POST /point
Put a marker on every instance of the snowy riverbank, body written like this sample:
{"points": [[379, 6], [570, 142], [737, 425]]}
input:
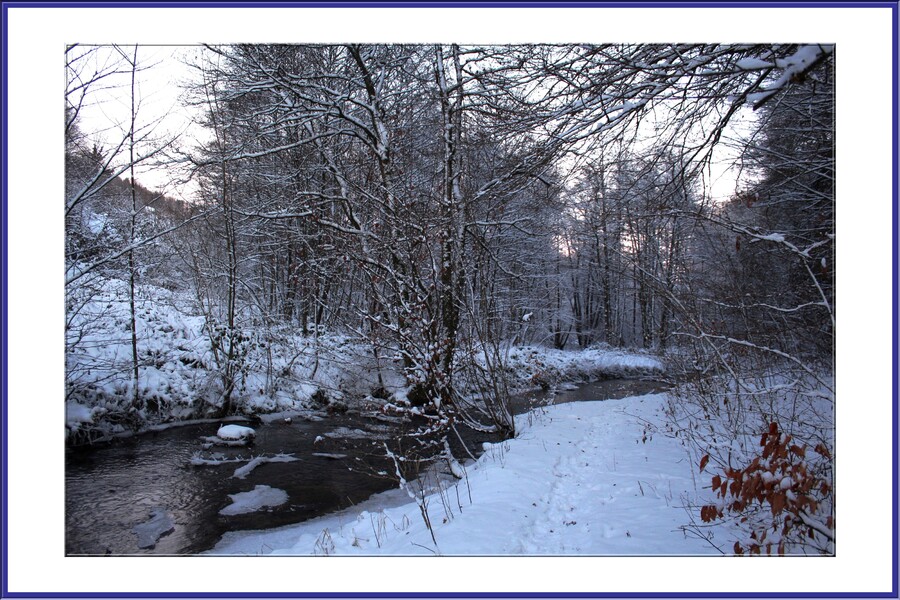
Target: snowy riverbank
{"points": [[283, 370], [586, 478]]}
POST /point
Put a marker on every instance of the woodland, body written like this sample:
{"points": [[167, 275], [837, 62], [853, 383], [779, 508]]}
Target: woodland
{"points": [[395, 223]]}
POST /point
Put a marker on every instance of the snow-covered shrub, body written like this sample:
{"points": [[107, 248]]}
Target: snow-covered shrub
{"points": [[784, 496], [763, 439]]}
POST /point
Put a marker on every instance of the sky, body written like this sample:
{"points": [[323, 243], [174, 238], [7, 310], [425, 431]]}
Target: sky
{"points": [[163, 74]]}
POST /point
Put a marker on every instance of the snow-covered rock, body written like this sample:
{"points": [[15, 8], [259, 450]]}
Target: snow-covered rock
{"points": [[235, 432]]}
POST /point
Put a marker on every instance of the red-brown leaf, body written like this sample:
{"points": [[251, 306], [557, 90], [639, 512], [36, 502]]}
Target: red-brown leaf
{"points": [[823, 451], [777, 502]]}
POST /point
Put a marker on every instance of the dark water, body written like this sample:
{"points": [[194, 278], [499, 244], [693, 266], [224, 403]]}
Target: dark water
{"points": [[111, 489], [607, 389]]}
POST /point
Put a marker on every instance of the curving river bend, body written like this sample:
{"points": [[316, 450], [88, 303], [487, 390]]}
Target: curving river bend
{"points": [[113, 488]]}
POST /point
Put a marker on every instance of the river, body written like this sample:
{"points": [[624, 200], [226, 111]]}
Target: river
{"points": [[113, 488]]}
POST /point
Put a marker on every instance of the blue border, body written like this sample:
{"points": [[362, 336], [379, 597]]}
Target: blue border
{"points": [[4, 316], [455, 4], [467, 595], [894, 593], [895, 198]]}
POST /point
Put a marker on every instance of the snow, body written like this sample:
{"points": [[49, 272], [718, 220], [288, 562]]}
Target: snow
{"points": [[97, 222], [772, 237], [149, 532], [242, 472], [345, 433], [179, 377], [262, 496], [77, 413], [753, 64], [793, 66], [235, 432], [584, 478], [456, 469], [214, 460], [547, 367]]}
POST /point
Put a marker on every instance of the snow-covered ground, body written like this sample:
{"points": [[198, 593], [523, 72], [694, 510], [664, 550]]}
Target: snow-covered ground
{"points": [[547, 367], [585, 478], [179, 380]]}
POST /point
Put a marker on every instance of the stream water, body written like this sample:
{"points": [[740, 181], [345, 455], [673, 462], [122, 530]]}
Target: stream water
{"points": [[111, 489]]}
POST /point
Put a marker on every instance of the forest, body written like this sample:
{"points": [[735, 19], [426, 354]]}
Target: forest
{"points": [[423, 228]]}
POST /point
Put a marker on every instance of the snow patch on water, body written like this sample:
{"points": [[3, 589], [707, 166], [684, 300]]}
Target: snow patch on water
{"points": [[149, 532], [262, 496]]}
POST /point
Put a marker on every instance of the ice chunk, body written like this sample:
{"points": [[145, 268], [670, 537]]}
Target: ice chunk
{"points": [[356, 434], [149, 532], [262, 496], [242, 472]]}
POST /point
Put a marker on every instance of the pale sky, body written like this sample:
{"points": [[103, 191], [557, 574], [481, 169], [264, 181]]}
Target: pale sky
{"points": [[162, 73]]}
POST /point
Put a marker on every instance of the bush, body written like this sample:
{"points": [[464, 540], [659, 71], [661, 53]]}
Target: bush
{"points": [[784, 495]]}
